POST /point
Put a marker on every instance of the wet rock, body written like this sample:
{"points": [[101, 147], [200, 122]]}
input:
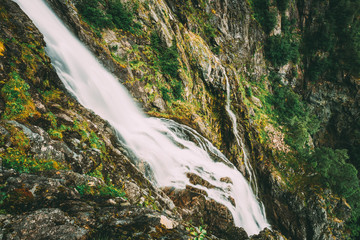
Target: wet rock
{"points": [[267, 234], [196, 180], [193, 206], [226, 180]]}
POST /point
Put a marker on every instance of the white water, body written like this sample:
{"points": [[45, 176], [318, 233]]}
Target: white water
{"points": [[160, 143], [239, 140]]}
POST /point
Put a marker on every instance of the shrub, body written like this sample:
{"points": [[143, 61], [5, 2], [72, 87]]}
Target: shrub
{"points": [[177, 89], [89, 9], [21, 162], [264, 14], [279, 50], [335, 172], [122, 17], [165, 94], [100, 190], [107, 14], [282, 5], [291, 112], [168, 59], [18, 102]]}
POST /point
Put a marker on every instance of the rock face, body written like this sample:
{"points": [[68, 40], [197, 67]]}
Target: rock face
{"points": [[64, 168], [302, 217], [193, 206], [63, 173]]}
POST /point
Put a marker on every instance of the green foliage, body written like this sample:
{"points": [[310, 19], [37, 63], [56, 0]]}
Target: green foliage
{"points": [[18, 102], [55, 131], [100, 190], [122, 17], [95, 142], [248, 92], [177, 89], [332, 45], [92, 13], [291, 112], [335, 172], [341, 177], [199, 233], [282, 5], [22, 162], [264, 14], [149, 202], [168, 56], [108, 14], [3, 195], [165, 94], [169, 64], [280, 50]]}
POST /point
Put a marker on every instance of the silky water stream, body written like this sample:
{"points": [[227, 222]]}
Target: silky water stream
{"points": [[171, 150]]}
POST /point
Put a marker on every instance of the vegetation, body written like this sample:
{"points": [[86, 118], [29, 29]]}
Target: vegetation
{"points": [[18, 103], [333, 45], [108, 14], [168, 61], [265, 14], [291, 112], [329, 168], [335, 172], [284, 47], [100, 190], [2, 48], [282, 5], [199, 233], [22, 162], [193, 14], [107, 189], [17, 157]]}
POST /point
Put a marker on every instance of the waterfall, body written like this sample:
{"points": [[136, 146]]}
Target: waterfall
{"points": [[164, 145], [249, 170]]}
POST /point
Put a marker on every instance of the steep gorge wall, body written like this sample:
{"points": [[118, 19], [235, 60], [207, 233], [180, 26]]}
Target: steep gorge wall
{"points": [[224, 40]]}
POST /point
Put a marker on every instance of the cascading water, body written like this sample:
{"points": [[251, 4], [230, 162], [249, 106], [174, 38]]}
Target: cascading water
{"points": [[239, 140], [163, 144]]}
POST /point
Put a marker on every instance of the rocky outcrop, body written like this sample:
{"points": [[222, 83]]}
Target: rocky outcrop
{"points": [[64, 174], [49, 206], [77, 171], [193, 206]]}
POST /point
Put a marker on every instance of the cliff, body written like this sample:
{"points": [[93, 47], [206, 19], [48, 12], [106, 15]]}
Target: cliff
{"points": [[65, 175]]}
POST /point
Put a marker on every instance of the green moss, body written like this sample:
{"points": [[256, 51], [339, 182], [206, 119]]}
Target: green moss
{"points": [[264, 14], [102, 190], [108, 14], [21, 162], [18, 102]]}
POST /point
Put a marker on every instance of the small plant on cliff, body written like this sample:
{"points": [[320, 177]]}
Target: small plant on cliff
{"points": [[281, 49], [18, 102], [169, 65], [199, 233], [291, 112], [108, 14], [284, 47], [282, 5], [22, 162], [264, 14], [168, 56], [108, 190], [92, 13]]}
